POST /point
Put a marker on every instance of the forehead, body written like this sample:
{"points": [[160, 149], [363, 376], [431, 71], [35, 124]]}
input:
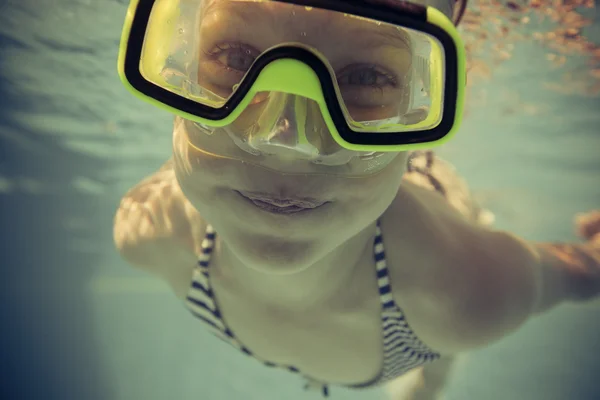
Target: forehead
{"points": [[250, 9], [292, 17], [445, 6]]}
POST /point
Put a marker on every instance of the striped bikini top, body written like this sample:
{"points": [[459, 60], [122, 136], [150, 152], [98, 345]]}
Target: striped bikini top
{"points": [[402, 350]]}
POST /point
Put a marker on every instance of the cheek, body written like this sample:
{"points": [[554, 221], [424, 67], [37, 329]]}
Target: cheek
{"points": [[367, 198], [384, 184], [200, 175], [193, 165]]}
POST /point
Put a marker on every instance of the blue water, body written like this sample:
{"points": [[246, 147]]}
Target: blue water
{"points": [[77, 323]]}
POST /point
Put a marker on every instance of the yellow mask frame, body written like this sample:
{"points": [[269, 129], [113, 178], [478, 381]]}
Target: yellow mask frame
{"points": [[302, 72]]}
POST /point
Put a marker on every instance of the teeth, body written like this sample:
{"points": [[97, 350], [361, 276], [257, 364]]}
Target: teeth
{"points": [[284, 210], [283, 205], [286, 206]]}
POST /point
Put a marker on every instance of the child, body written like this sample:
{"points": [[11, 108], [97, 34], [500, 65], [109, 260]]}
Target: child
{"points": [[347, 267]]}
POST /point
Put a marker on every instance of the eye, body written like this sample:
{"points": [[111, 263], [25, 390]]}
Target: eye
{"points": [[366, 75], [368, 86], [235, 56]]}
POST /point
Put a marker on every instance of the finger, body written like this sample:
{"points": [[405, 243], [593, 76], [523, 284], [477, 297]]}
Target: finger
{"points": [[588, 224]]}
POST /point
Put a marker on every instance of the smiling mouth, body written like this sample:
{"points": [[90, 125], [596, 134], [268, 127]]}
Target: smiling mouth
{"points": [[282, 206]]}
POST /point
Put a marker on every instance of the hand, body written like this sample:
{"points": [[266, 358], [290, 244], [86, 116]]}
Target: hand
{"points": [[573, 269], [582, 257], [587, 226]]}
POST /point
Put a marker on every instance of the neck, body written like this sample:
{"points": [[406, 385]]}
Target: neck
{"points": [[315, 285]]}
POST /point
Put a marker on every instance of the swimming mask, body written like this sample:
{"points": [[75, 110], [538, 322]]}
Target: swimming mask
{"points": [[300, 85]]}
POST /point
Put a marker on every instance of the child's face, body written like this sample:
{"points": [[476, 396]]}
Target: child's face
{"points": [[369, 77]]}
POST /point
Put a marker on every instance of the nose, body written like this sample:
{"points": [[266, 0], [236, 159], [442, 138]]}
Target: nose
{"points": [[283, 128]]}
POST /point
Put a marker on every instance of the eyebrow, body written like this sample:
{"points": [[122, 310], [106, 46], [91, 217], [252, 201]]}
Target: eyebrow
{"points": [[388, 36], [240, 10]]}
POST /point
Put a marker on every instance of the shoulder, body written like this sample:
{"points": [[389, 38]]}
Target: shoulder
{"points": [[157, 230], [466, 285]]}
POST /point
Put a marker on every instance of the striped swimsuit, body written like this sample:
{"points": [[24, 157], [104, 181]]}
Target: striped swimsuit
{"points": [[402, 350]]}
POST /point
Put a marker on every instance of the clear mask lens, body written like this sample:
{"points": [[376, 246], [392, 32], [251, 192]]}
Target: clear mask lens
{"points": [[387, 78]]}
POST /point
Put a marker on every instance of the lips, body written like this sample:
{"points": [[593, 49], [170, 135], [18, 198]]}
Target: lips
{"points": [[282, 205]]}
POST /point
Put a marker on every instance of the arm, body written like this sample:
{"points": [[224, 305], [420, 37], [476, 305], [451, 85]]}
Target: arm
{"points": [[494, 282], [542, 276], [480, 284], [520, 279]]}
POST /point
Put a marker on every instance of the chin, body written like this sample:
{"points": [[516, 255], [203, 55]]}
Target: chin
{"points": [[273, 255]]}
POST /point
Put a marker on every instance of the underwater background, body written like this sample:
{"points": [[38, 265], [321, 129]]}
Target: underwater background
{"points": [[77, 323]]}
